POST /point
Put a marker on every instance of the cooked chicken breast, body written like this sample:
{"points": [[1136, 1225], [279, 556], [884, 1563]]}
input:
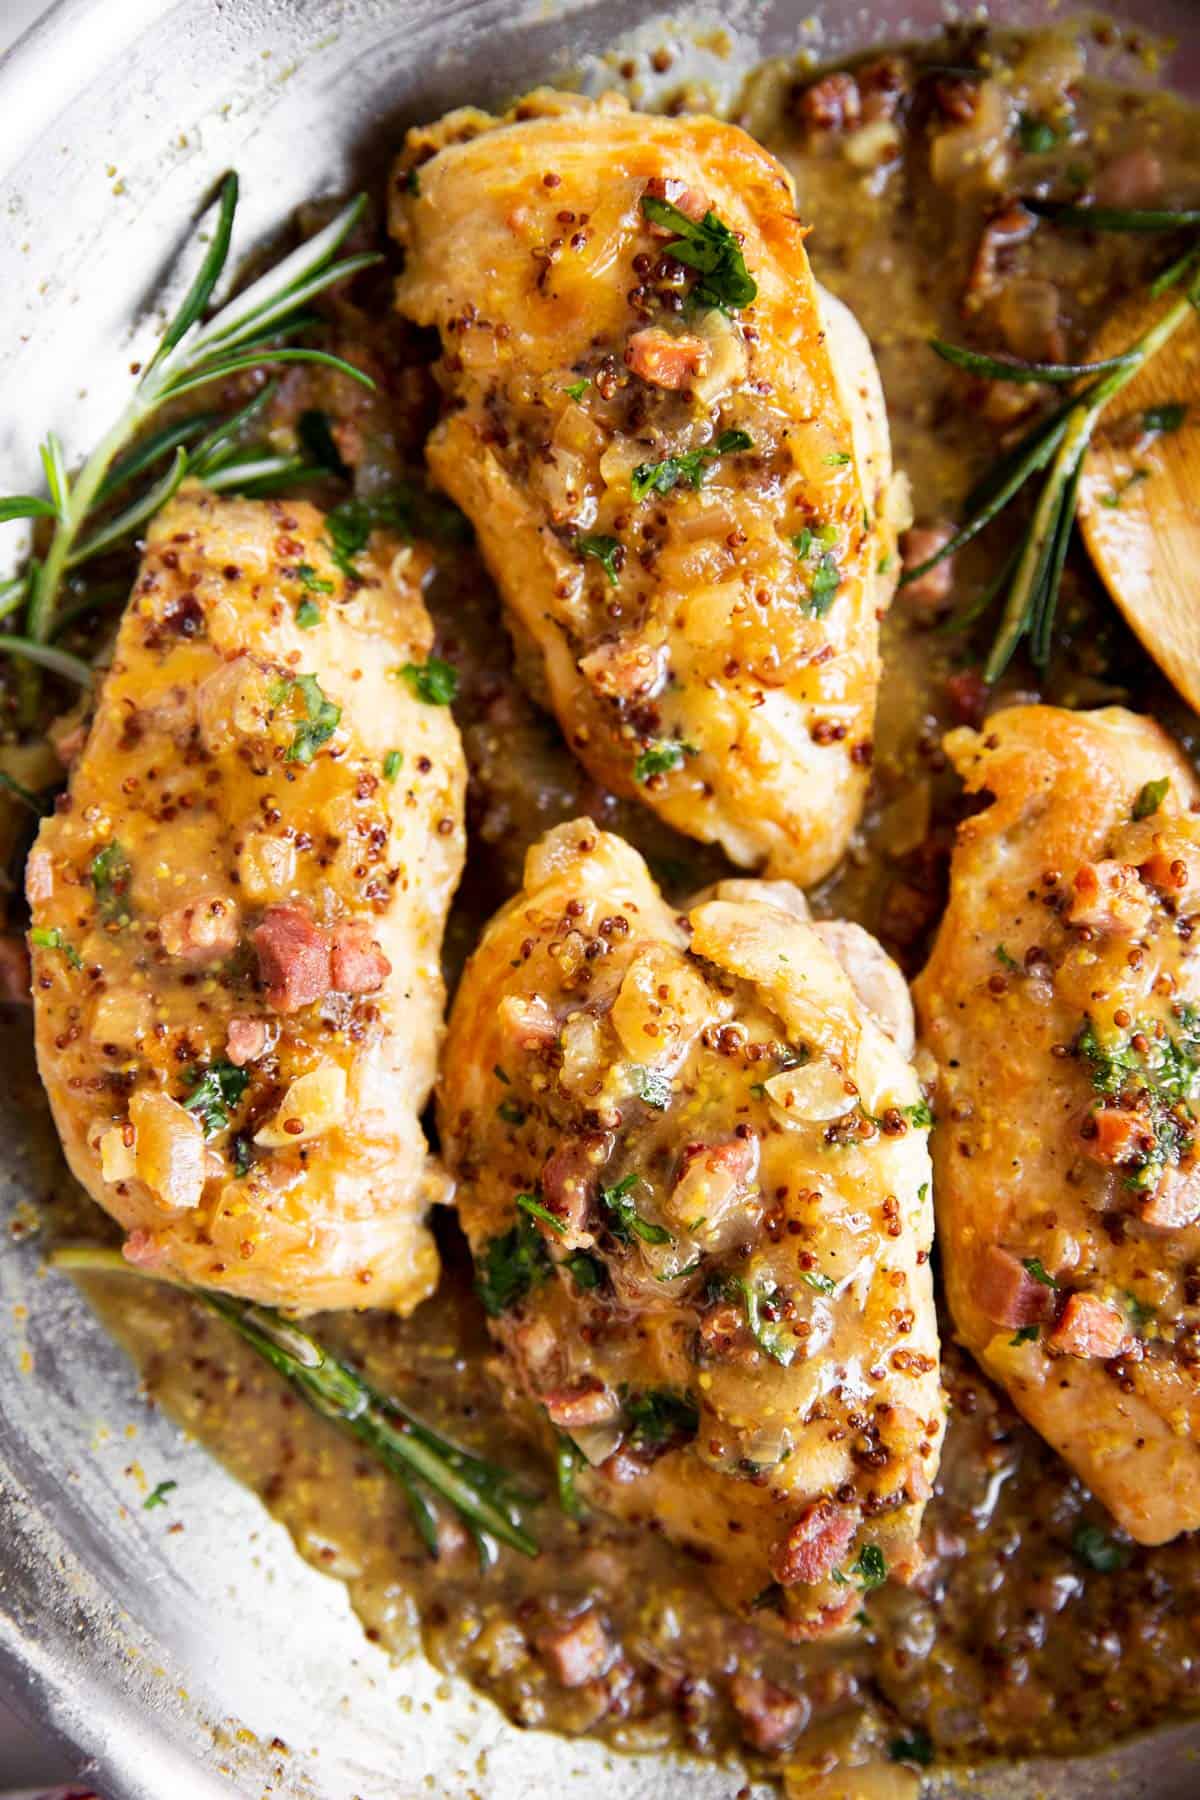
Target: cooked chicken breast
{"points": [[238, 911], [1062, 1004], [694, 1177], [675, 456]]}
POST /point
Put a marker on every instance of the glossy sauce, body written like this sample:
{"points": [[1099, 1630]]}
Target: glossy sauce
{"points": [[1010, 1642]]}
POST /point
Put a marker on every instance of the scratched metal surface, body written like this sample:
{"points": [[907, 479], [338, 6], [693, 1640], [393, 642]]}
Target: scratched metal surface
{"points": [[168, 1664]]}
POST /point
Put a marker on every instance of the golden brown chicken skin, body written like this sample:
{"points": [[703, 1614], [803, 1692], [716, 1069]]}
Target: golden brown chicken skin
{"points": [[1062, 1005], [675, 456], [238, 910], [693, 1172]]}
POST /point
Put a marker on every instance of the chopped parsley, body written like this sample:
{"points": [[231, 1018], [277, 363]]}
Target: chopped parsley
{"points": [[661, 757], [1150, 797], [821, 1284], [837, 459], [920, 1115], [311, 582], [1038, 136], [827, 576], [1156, 1082], [916, 1748], [1027, 1334], [1115, 495], [244, 1157], [393, 762], [349, 527], [320, 714], [434, 681], [1035, 1267], [587, 1272], [575, 390], [658, 1415], [510, 1265], [869, 1568], [529, 1203], [316, 434], [770, 1338], [109, 873], [652, 1086], [404, 509], [159, 1496], [709, 247], [1096, 1550], [1166, 418], [49, 937], [217, 1093], [604, 550], [1006, 961], [624, 1220], [308, 614], [568, 1460], [687, 469]]}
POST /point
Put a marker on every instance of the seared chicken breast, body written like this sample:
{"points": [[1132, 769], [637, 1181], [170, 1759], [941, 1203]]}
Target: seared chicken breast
{"points": [[1062, 1005], [238, 910], [693, 1172], [674, 453]]}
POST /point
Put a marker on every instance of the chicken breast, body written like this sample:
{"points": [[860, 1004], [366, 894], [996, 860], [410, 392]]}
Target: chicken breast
{"points": [[238, 911], [675, 456], [1062, 1004], [694, 1177]]}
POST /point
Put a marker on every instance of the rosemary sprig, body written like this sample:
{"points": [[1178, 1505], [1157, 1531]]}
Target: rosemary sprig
{"points": [[1112, 218], [1057, 442], [485, 1496], [247, 333]]}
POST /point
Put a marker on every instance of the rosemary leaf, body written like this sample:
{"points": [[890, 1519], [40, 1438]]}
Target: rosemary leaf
{"points": [[135, 514], [26, 506], [46, 657], [1112, 218], [1002, 367]]}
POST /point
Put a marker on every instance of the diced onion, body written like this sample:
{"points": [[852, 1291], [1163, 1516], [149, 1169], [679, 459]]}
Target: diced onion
{"points": [[313, 1105], [811, 1094]]}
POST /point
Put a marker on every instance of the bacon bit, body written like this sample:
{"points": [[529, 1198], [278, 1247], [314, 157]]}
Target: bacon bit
{"points": [[246, 1040], [528, 1023], [822, 1620], [884, 86], [142, 1249], [1109, 896], [692, 202], [1172, 872], [39, 876], [15, 973], [1112, 1136], [831, 104], [968, 694], [1091, 1328], [1175, 1202], [665, 361], [956, 98], [577, 1652], [711, 1179], [1000, 236], [568, 1182], [1132, 180], [929, 592], [202, 930], [293, 958], [587, 1403], [625, 668], [357, 963], [814, 1545], [1006, 1292], [770, 1716]]}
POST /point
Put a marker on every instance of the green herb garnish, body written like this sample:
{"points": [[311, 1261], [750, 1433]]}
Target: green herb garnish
{"points": [[1096, 1550], [529, 1203], [308, 614], [1034, 1266], [709, 247], [1006, 961], [434, 681], [110, 875], [217, 1092], [916, 1748], [625, 1222], [820, 1284], [771, 1339], [661, 757], [49, 937], [510, 1112], [1038, 136], [604, 550], [510, 1266], [1150, 797], [1026, 1334], [651, 1085], [568, 1460], [575, 390], [657, 1415], [393, 762], [316, 434], [313, 583], [587, 1272], [321, 715], [688, 469], [1165, 419], [159, 1495], [869, 1568]]}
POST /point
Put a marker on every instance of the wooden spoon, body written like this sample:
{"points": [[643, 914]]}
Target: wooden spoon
{"points": [[1139, 493]]}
